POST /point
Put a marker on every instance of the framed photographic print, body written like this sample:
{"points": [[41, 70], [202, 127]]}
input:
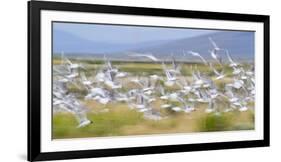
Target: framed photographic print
{"points": [[115, 80]]}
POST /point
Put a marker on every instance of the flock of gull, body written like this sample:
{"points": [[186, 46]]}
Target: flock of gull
{"points": [[111, 85]]}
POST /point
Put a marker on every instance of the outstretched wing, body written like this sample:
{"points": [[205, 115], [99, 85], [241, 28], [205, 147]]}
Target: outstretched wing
{"points": [[198, 55], [213, 43], [149, 56]]}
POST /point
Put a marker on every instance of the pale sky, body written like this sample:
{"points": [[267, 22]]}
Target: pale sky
{"points": [[127, 34]]}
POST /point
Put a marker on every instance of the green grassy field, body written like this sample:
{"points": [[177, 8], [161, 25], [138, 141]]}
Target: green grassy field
{"points": [[117, 119]]}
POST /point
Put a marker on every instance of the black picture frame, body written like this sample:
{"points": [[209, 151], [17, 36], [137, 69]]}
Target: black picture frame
{"points": [[34, 80]]}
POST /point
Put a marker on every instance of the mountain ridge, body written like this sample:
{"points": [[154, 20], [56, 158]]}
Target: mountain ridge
{"points": [[239, 44]]}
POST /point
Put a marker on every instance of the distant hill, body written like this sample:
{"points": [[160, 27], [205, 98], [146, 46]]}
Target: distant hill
{"points": [[239, 44], [69, 43], [72, 44]]}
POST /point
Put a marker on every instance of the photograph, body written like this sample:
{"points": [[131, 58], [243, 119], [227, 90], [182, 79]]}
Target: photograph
{"points": [[112, 80], [120, 80]]}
